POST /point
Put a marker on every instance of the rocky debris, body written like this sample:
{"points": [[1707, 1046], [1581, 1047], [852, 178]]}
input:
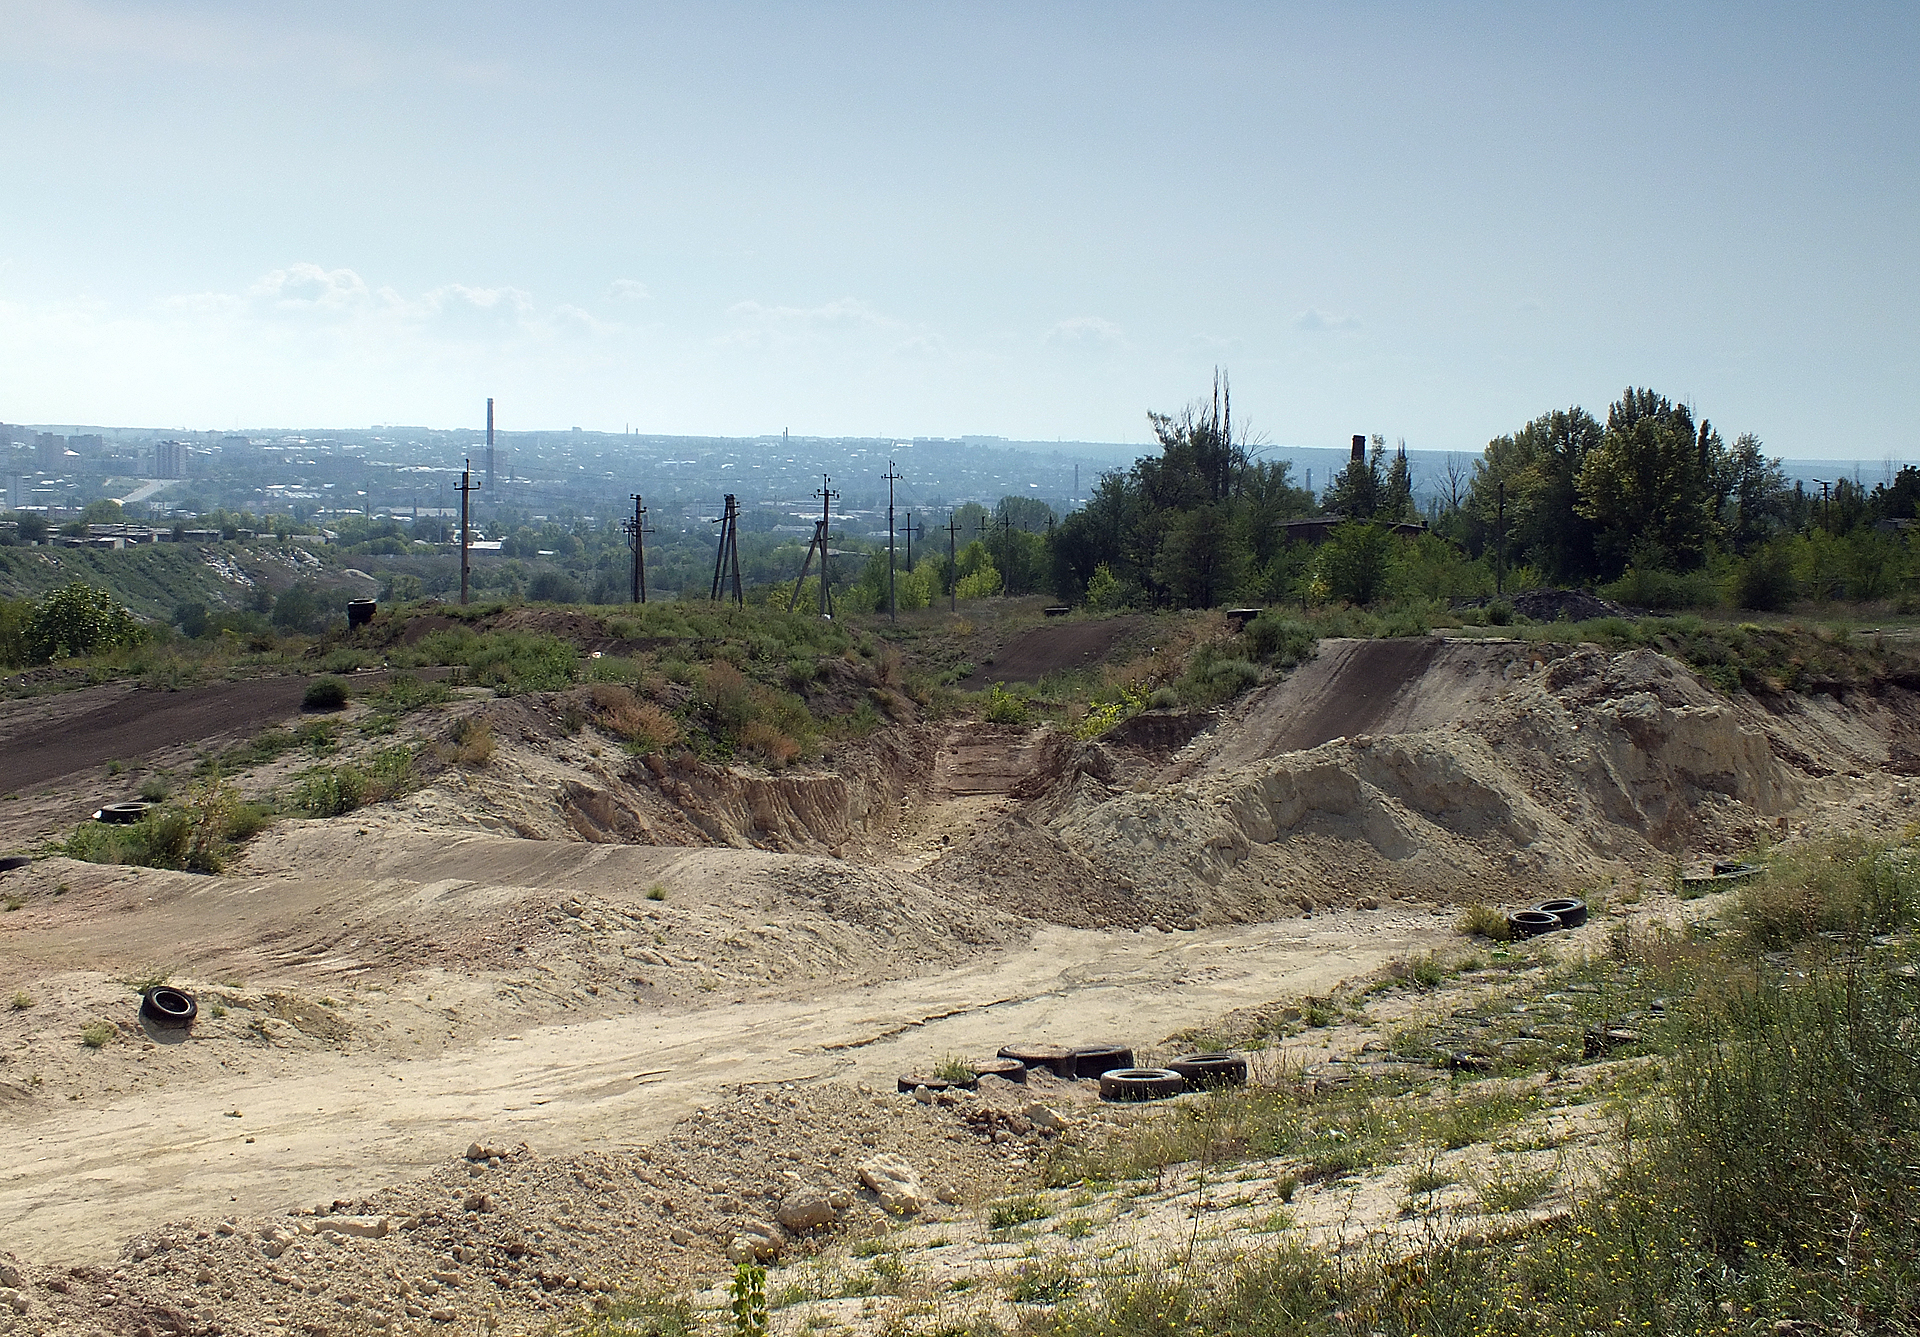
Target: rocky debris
{"points": [[807, 1208], [754, 1242], [1042, 1116], [896, 1184], [740, 1180]]}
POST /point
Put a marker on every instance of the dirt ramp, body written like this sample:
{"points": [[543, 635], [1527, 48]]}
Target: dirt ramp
{"points": [[1354, 687]]}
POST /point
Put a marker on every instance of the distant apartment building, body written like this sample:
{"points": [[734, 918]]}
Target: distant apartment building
{"points": [[170, 459], [52, 451], [90, 444]]}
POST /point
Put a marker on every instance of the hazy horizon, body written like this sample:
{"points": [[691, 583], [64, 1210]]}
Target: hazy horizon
{"points": [[857, 221]]}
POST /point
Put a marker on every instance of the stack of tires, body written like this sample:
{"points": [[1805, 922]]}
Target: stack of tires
{"points": [[1547, 917]]}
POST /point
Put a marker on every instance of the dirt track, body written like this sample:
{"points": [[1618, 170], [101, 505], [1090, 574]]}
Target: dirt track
{"points": [[46, 738], [1052, 648]]}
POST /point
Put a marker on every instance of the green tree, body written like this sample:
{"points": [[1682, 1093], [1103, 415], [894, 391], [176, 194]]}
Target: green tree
{"points": [[1202, 559], [1358, 490], [1650, 485], [105, 511], [1355, 564], [1539, 469], [78, 620]]}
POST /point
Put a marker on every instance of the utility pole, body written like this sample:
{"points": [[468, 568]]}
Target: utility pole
{"points": [[893, 609], [819, 544], [466, 492], [912, 529], [1500, 539], [953, 567], [1006, 552], [637, 540], [729, 553], [1825, 517]]}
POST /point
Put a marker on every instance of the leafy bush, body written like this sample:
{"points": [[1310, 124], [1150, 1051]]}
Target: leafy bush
{"points": [[324, 694], [1004, 707], [98, 1034], [74, 621], [333, 791], [1654, 588], [1280, 639], [1765, 581], [197, 835]]}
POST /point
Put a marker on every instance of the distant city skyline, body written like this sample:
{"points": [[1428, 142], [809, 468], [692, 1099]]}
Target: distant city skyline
{"points": [[857, 220]]}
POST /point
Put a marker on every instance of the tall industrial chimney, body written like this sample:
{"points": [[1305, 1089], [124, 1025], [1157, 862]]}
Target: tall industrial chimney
{"points": [[490, 443], [1359, 441]]}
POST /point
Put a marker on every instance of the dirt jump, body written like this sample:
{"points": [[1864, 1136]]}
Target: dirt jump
{"points": [[572, 1020]]}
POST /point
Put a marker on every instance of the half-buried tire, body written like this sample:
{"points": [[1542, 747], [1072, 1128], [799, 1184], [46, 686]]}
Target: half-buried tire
{"points": [[1092, 1060], [1212, 1069], [1570, 913], [1057, 1059], [168, 1007], [1012, 1069], [911, 1080], [122, 814], [1141, 1084], [1527, 923]]}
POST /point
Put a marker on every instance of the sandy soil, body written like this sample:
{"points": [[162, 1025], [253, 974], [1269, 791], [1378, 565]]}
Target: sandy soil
{"points": [[656, 989]]}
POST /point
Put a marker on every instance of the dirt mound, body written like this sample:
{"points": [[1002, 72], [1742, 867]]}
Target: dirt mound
{"points": [[1573, 605], [1515, 771], [1053, 648]]}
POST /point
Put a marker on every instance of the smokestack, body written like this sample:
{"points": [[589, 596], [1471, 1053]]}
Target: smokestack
{"points": [[1359, 441], [490, 443]]}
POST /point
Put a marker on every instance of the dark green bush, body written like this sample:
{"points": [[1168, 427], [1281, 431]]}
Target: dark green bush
{"points": [[324, 694], [1280, 639]]}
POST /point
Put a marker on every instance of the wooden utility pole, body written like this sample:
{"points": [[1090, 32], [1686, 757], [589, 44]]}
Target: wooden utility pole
{"points": [[893, 608], [819, 544], [729, 554], [953, 567], [912, 529], [637, 540], [466, 493], [1500, 539]]}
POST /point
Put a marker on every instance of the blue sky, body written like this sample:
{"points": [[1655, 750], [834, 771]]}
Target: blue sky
{"points": [[1036, 221]]}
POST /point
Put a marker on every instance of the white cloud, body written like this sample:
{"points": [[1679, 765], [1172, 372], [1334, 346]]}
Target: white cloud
{"points": [[774, 328], [1087, 332], [628, 290], [1315, 321]]}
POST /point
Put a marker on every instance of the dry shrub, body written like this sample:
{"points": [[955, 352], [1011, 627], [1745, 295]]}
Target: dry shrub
{"points": [[643, 724], [473, 740], [763, 740], [728, 694], [651, 729], [610, 696]]}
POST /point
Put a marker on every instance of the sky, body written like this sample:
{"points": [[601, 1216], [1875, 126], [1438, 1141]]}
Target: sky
{"points": [[1039, 221]]}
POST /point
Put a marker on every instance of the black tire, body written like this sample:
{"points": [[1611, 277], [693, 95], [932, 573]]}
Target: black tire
{"points": [[1529, 923], [1141, 1084], [166, 1006], [1213, 1069], [122, 814], [10, 862], [1570, 913], [1092, 1060], [911, 1080], [1057, 1059], [1010, 1068]]}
